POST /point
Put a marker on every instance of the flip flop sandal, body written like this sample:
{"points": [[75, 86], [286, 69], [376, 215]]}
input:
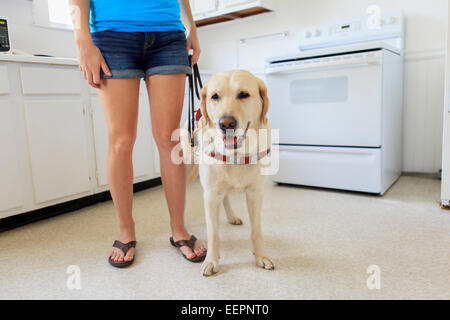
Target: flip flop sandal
{"points": [[188, 243], [124, 247]]}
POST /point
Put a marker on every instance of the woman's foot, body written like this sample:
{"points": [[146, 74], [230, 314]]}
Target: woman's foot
{"points": [[199, 248], [116, 254]]}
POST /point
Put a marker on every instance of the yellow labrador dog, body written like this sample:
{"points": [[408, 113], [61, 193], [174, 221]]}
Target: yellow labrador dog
{"points": [[233, 139]]}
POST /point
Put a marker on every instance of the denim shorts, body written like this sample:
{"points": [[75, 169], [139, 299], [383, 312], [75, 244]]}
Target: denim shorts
{"points": [[141, 54]]}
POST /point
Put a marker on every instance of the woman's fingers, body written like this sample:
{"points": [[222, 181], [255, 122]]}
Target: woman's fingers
{"points": [[91, 80], [196, 56], [105, 68], [96, 77], [91, 64]]}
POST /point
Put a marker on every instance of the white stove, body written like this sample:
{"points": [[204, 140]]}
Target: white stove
{"points": [[338, 105]]}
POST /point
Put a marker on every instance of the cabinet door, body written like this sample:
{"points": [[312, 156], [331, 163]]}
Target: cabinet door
{"points": [[58, 148], [10, 188], [143, 149], [4, 80], [100, 140], [231, 3], [203, 6]]}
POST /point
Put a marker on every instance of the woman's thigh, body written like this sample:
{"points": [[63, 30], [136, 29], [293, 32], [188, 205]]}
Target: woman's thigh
{"points": [[166, 93], [120, 100]]}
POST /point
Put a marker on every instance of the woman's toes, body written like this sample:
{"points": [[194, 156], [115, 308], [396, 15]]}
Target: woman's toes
{"points": [[188, 253], [199, 250], [129, 256], [117, 257]]}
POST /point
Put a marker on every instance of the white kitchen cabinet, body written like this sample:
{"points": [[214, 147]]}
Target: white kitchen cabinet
{"points": [[143, 150], [53, 137], [10, 181], [156, 162], [231, 3], [4, 80], [50, 81], [200, 7], [208, 12], [58, 148], [100, 141]]}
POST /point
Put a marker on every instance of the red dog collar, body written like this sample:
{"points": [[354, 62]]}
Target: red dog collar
{"points": [[253, 159]]}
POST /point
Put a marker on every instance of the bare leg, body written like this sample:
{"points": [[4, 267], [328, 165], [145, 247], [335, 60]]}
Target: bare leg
{"points": [[230, 213], [254, 205], [119, 99], [212, 209], [166, 94]]}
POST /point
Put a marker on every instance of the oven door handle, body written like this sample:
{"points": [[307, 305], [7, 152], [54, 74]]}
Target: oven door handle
{"points": [[341, 65]]}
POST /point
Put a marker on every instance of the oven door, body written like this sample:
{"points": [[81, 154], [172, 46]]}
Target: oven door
{"points": [[332, 101]]}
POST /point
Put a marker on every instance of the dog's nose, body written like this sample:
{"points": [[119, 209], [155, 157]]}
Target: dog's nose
{"points": [[227, 123]]}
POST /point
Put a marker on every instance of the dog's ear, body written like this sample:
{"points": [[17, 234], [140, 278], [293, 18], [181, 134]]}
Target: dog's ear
{"points": [[265, 100], [203, 106]]}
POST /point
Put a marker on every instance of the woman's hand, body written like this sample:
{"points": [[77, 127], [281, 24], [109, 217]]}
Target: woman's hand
{"points": [[194, 45], [91, 62]]}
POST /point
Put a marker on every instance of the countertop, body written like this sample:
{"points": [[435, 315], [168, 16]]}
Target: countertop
{"points": [[8, 57], [34, 59]]}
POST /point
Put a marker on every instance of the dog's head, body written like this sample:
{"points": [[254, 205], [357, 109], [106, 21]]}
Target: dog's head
{"points": [[234, 102]]}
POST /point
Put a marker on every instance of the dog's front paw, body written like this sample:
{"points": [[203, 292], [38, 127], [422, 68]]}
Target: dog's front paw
{"points": [[264, 262], [210, 267]]}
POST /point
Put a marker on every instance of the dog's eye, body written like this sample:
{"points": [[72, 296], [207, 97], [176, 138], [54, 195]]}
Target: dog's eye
{"points": [[243, 95], [215, 97]]}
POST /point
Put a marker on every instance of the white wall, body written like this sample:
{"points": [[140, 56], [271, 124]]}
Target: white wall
{"points": [[446, 159], [425, 58], [33, 39], [425, 54]]}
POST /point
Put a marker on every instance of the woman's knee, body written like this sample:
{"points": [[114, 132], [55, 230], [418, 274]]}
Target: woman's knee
{"points": [[164, 141], [122, 145]]}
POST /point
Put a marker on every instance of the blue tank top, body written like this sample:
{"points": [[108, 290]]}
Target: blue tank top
{"points": [[135, 15]]}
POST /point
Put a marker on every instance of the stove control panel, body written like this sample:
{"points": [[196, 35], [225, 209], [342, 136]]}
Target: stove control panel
{"points": [[4, 37], [373, 27]]}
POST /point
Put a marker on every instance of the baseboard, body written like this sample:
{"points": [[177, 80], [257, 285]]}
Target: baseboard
{"points": [[23, 219]]}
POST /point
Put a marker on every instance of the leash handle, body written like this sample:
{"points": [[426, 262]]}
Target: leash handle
{"points": [[195, 82]]}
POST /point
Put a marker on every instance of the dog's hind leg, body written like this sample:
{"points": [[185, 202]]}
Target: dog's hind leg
{"points": [[254, 205], [232, 218]]}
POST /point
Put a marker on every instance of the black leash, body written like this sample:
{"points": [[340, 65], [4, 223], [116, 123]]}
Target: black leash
{"points": [[195, 86]]}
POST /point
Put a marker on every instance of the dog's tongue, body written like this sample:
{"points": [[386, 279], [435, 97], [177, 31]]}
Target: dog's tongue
{"points": [[230, 141]]}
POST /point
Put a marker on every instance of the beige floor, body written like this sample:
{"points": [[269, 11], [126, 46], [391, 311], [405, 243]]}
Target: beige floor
{"points": [[321, 241]]}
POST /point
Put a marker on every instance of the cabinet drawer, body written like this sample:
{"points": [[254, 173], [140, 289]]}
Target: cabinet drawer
{"points": [[50, 81], [4, 80], [354, 169]]}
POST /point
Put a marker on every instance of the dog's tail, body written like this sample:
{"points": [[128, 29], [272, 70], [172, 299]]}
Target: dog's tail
{"points": [[191, 172]]}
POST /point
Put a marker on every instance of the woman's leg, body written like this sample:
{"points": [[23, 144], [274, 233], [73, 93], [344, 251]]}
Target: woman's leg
{"points": [[120, 100], [166, 94]]}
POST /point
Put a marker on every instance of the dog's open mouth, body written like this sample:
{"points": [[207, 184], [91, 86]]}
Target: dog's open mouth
{"points": [[233, 142]]}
